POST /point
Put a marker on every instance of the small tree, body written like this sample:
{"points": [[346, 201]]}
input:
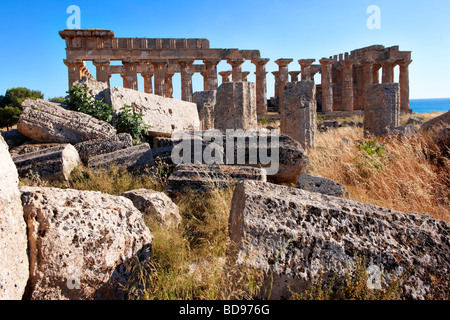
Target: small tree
{"points": [[9, 116], [15, 96]]}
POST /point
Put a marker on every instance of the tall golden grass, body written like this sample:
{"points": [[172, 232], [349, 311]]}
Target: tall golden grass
{"points": [[410, 177]]}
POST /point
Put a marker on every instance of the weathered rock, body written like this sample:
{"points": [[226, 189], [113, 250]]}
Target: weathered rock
{"points": [[204, 178], [206, 101], [136, 158], [443, 140], [299, 115], [14, 138], [31, 147], [283, 158], [155, 204], [408, 130], [382, 112], [236, 106], [97, 89], [331, 124], [321, 185], [434, 126], [55, 163], [46, 122], [164, 115], [415, 121], [13, 234], [295, 235], [81, 243], [88, 149]]}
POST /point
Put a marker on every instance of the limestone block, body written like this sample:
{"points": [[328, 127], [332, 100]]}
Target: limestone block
{"points": [[97, 89], [80, 243], [13, 234], [88, 149], [321, 185], [204, 178], [295, 235], [236, 106], [46, 122], [283, 158], [434, 126], [136, 158], [382, 112], [299, 115], [156, 205], [206, 101], [14, 138], [29, 148], [164, 115], [55, 163]]}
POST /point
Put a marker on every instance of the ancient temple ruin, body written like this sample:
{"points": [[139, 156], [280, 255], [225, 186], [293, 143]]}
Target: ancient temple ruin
{"points": [[345, 78]]}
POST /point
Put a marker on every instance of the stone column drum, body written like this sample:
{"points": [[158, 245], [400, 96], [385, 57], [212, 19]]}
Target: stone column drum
{"points": [[327, 88], [236, 106], [383, 109], [261, 87], [283, 75], [347, 85], [186, 79], [298, 119]]}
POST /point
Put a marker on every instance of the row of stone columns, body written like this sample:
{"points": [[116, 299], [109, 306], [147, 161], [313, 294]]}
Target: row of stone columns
{"points": [[162, 78], [368, 74]]}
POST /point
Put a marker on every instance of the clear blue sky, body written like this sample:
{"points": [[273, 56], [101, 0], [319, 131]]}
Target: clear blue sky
{"points": [[32, 51]]}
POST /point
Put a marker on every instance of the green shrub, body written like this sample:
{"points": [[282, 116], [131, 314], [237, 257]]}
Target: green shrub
{"points": [[125, 121], [80, 100], [129, 122]]}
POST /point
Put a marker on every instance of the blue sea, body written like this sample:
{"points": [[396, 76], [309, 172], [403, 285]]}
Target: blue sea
{"points": [[429, 105]]}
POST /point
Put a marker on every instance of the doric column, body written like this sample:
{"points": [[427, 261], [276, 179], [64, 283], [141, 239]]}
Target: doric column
{"points": [[261, 88], [225, 76], [376, 73], [294, 75], [305, 65], [347, 85], [159, 67], [168, 84], [275, 75], [236, 71], [388, 71], [327, 86], [367, 79], [211, 73], [245, 75], [75, 73], [186, 79], [283, 76], [205, 80], [404, 85], [103, 73], [130, 74]]}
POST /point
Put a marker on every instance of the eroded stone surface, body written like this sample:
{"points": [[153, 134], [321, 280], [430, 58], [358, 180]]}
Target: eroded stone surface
{"points": [[299, 115], [13, 235], [321, 185], [50, 163], [81, 238], [163, 115], [136, 158], [296, 234], [156, 205], [46, 122], [91, 148]]}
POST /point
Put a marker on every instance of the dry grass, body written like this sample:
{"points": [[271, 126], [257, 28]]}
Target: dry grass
{"points": [[409, 177]]}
